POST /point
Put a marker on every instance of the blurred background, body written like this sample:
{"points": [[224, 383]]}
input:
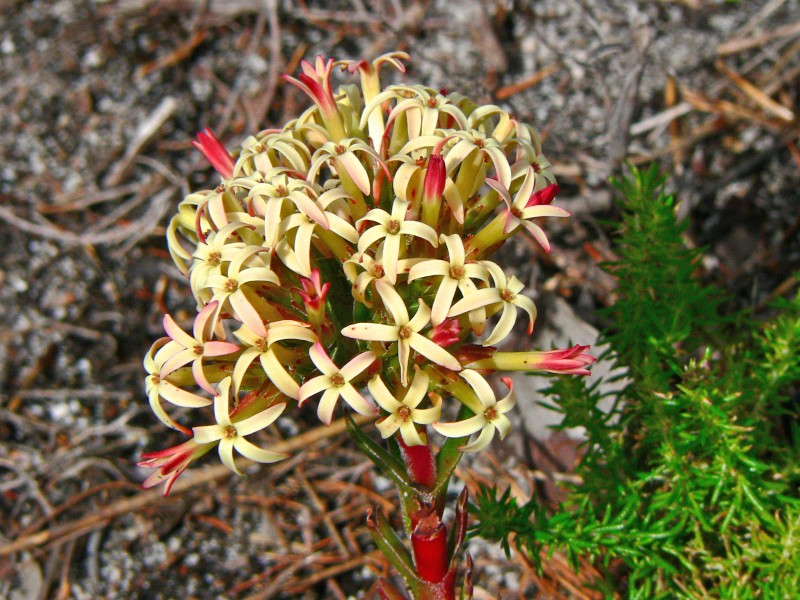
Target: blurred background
{"points": [[100, 101]]}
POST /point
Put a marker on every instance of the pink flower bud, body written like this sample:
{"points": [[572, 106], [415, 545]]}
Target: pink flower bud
{"points": [[314, 291], [435, 179], [446, 333], [543, 196], [171, 462], [215, 152], [315, 81], [567, 361]]}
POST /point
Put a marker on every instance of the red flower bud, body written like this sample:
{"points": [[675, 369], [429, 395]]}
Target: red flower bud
{"points": [[446, 333], [314, 291], [435, 179], [208, 144], [543, 196]]}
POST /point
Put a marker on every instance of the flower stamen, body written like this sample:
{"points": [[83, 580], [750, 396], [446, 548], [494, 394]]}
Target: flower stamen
{"points": [[507, 295], [457, 272]]}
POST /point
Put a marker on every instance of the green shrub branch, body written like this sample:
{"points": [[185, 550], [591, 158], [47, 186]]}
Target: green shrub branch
{"points": [[691, 480]]}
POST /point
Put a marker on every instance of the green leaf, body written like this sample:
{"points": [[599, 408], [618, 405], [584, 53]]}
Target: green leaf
{"points": [[394, 550], [390, 466]]}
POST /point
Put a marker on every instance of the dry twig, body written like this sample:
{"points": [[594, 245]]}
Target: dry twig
{"points": [[101, 517], [515, 88], [755, 41], [762, 99], [144, 135]]}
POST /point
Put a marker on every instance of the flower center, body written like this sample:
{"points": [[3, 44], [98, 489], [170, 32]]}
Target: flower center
{"points": [[405, 332], [214, 258], [516, 212], [433, 102], [393, 226], [490, 413], [230, 432], [198, 349], [281, 191], [404, 412], [456, 272], [480, 143], [379, 272], [155, 378], [508, 295], [261, 344], [337, 380], [421, 161], [231, 285], [339, 149]]}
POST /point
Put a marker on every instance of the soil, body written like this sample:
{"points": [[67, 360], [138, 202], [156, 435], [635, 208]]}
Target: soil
{"points": [[100, 102]]}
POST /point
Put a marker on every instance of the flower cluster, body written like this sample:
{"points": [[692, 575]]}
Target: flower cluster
{"points": [[350, 251]]}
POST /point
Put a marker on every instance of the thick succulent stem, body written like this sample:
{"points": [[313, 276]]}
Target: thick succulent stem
{"points": [[429, 544]]}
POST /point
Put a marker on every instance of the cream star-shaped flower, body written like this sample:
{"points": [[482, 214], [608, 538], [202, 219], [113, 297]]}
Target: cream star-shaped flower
{"points": [[335, 383], [297, 256], [371, 87], [346, 164], [404, 331], [193, 348], [524, 207], [270, 198], [158, 387], [422, 110], [473, 146], [210, 256], [372, 271], [231, 435], [456, 274], [403, 415], [234, 289], [492, 418], [271, 150], [391, 229], [507, 292], [262, 348]]}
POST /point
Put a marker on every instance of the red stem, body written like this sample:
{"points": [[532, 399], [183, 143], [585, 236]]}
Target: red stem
{"points": [[420, 463], [429, 542]]}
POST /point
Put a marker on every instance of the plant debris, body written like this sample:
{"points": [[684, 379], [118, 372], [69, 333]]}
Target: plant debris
{"points": [[101, 101]]}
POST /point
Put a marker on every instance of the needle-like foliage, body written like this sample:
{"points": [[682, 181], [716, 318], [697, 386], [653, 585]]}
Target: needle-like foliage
{"points": [[692, 479]]}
